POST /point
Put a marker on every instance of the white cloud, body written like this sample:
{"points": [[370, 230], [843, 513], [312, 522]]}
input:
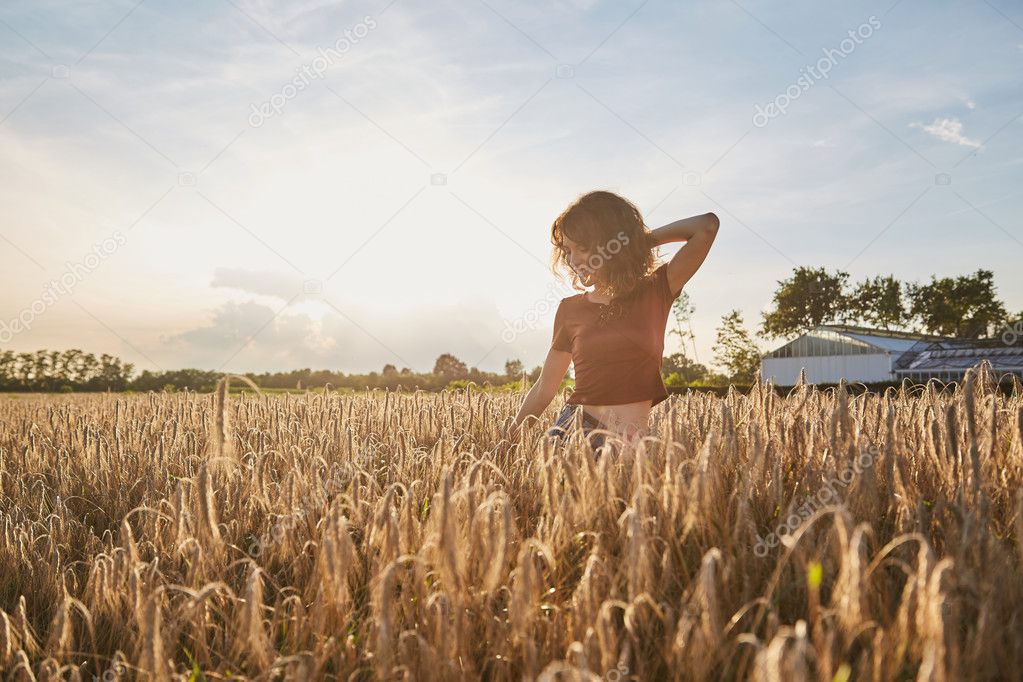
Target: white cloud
{"points": [[948, 129], [251, 336], [282, 285]]}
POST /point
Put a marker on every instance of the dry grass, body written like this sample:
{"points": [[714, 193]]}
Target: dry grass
{"points": [[384, 536]]}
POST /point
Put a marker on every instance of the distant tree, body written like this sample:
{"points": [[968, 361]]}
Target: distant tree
{"points": [[810, 297], [113, 374], [389, 370], [57, 375], [68, 365], [8, 368], [735, 349], [41, 370], [685, 369], [24, 369], [88, 367], [534, 373], [450, 367], [878, 302], [682, 310], [513, 369], [180, 379], [964, 306]]}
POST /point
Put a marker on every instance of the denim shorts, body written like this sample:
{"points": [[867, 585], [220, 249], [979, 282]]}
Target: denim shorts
{"points": [[589, 422]]}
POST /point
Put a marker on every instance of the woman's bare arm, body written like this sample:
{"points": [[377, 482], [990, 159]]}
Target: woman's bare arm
{"points": [[546, 387], [698, 233], [683, 230]]}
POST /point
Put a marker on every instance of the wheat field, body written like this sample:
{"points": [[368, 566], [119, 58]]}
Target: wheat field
{"points": [[818, 535]]}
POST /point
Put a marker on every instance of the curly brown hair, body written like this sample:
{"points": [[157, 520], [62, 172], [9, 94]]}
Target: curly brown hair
{"points": [[611, 228]]}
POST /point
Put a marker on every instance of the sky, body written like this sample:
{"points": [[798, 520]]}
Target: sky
{"points": [[259, 185]]}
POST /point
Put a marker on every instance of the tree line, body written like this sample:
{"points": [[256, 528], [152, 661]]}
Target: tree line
{"points": [[966, 306], [75, 370]]}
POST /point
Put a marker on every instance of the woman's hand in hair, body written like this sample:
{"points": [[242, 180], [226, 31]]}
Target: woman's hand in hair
{"points": [[686, 229]]}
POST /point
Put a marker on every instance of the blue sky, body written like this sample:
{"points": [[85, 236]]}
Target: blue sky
{"points": [[397, 206]]}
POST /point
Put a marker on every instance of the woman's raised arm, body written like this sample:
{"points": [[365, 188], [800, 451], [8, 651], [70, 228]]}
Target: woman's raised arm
{"points": [[698, 233]]}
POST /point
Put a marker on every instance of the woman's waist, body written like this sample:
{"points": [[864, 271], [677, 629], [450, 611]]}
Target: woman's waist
{"points": [[618, 417]]}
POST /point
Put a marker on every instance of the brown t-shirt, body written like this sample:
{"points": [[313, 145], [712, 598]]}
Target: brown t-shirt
{"points": [[617, 361]]}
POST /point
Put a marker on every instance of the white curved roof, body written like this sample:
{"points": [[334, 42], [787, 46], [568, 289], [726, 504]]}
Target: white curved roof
{"points": [[888, 343]]}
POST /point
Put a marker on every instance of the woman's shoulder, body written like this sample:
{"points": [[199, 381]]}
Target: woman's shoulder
{"points": [[659, 275], [658, 271], [568, 305], [575, 308], [650, 280]]}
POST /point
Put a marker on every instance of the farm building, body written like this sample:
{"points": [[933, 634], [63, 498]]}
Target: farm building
{"points": [[833, 352], [948, 360]]}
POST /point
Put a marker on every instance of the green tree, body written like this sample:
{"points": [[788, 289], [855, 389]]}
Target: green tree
{"points": [[41, 365], [810, 297], [68, 365], [113, 374], [686, 369], [513, 369], [682, 310], [534, 373], [964, 306], [878, 302], [88, 368], [735, 349], [450, 367], [8, 368]]}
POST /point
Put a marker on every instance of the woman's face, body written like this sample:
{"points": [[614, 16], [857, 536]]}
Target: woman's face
{"points": [[579, 260]]}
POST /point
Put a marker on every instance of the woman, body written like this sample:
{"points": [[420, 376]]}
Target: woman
{"points": [[614, 333]]}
